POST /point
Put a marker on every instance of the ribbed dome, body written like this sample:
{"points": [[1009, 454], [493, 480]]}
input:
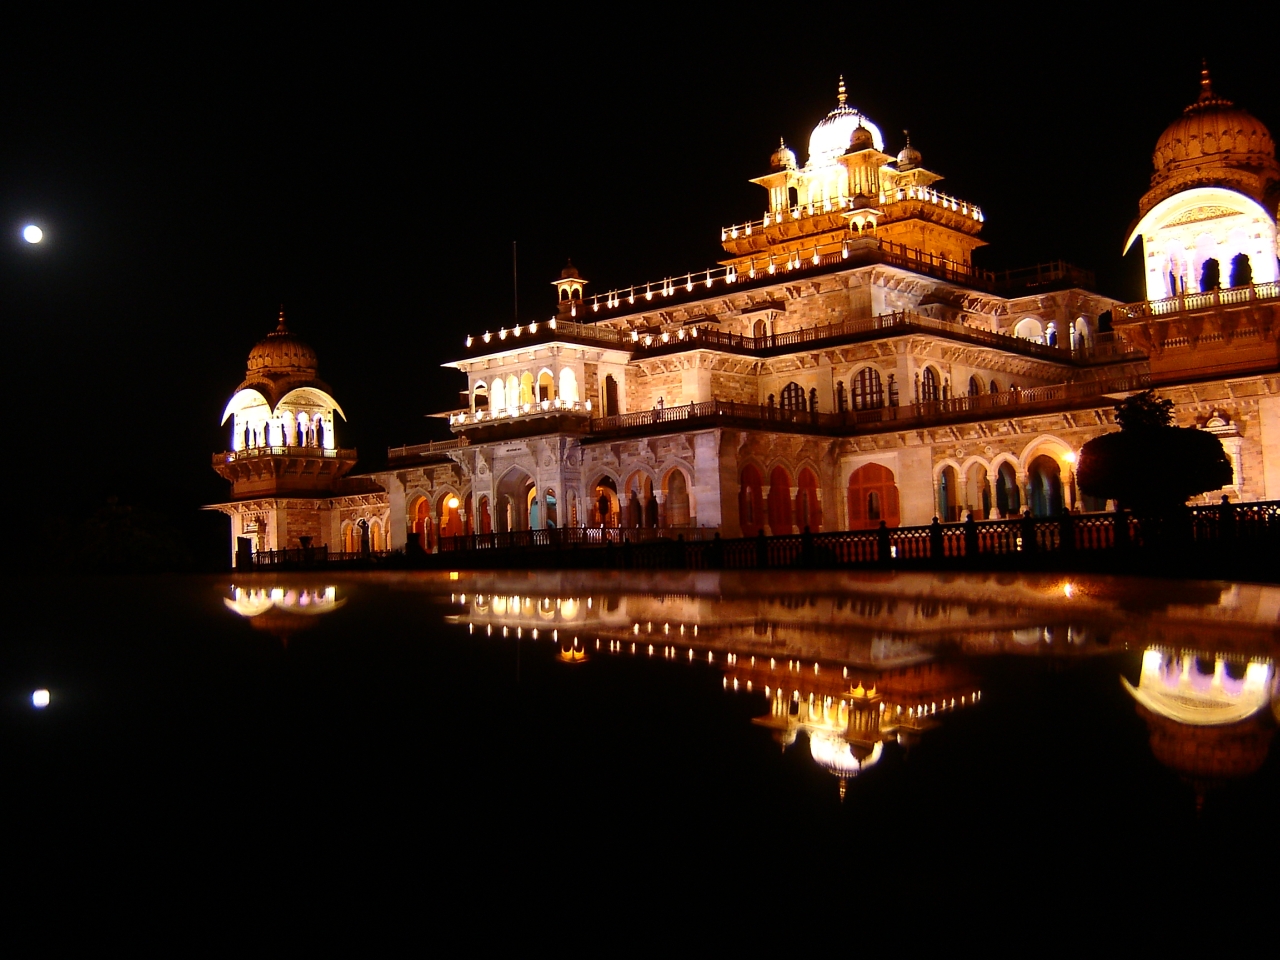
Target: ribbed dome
{"points": [[281, 350], [784, 158], [910, 156], [1212, 131], [862, 138]]}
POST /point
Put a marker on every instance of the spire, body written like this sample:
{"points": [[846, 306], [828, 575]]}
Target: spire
{"points": [[841, 94], [280, 327], [1206, 84]]}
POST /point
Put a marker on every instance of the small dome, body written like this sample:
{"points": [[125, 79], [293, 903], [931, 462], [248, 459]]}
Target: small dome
{"points": [[784, 158], [570, 272], [834, 133], [281, 350], [1212, 132], [910, 156], [862, 138]]}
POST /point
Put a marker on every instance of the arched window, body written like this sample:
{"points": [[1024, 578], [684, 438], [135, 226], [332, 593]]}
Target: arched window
{"points": [[750, 501], [868, 393], [995, 387], [928, 386], [1029, 328], [793, 397], [808, 509], [780, 502], [568, 385], [677, 499], [480, 398], [975, 387]]}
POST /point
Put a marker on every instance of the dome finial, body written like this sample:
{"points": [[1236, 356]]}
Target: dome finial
{"points": [[1206, 84], [280, 326], [841, 94]]}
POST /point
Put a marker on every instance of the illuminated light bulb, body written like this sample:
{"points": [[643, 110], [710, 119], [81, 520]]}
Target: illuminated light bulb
{"points": [[32, 234], [469, 340], [815, 256], [666, 337], [772, 268], [708, 278], [635, 335], [724, 235], [844, 250], [546, 404], [648, 294], [648, 340], [680, 334], [735, 233], [515, 331], [751, 273], [730, 275], [688, 283], [749, 229], [766, 220], [595, 305], [631, 298], [588, 406], [40, 698], [552, 323], [651, 649], [526, 408], [533, 326], [487, 336], [502, 334], [693, 332], [555, 403]]}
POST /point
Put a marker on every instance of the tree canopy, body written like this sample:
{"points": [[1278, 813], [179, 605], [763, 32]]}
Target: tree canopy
{"points": [[1151, 464]]}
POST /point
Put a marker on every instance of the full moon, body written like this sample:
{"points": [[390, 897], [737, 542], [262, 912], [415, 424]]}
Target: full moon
{"points": [[32, 234]]}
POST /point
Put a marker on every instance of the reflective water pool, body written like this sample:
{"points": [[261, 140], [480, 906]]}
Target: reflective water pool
{"points": [[311, 730]]}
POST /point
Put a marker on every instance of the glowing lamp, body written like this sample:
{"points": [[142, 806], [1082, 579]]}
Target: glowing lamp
{"points": [[666, 337], [452, 503], [32, 234], [533, 326], [526, 408], [515, 331], [469, 340], [502, 334], [648, 339], [487, 336], [635, 335], [39, 698], [552, 323], [588, 406]]}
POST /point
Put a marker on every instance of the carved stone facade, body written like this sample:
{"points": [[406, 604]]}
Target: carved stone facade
{"points": [[847, 364]]}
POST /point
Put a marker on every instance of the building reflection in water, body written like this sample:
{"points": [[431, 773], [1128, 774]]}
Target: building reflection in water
{"points": [[282, 610], [1211, 715], [864, 664]]}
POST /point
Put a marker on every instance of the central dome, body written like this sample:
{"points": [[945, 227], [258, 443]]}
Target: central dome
{"points": [[830, 138]]}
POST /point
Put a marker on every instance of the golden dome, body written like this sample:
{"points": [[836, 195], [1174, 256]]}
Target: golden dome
{"points": [[282, 351], [1212, 132]]}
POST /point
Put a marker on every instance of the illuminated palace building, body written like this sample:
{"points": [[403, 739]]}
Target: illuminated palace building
{"points": [[846, 363]]}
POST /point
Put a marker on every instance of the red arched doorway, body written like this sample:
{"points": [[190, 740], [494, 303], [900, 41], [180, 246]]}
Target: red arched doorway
{"points": [[808, 509], [873, 496], [780, 502]]}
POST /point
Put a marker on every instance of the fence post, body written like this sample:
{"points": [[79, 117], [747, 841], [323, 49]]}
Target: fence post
{"points": [[1066, 531], [884, 553], [935, 540], [970, 536], [1028, 533]]}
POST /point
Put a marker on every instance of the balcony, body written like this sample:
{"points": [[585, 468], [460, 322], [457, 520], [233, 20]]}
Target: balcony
{"points": [[988, 406]]}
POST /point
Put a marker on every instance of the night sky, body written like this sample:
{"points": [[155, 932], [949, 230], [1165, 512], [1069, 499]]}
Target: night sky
{"points": [[192, 175]]}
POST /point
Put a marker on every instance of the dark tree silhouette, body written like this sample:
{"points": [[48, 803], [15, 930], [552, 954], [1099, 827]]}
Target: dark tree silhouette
{"points": [[1151, 465]]}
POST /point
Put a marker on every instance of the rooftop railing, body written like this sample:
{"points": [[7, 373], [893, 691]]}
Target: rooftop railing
{"points": [[888, 324], [1194, 302], [249, 453], [761, 272], [817, 208], [1011, 402], [418, 450]]}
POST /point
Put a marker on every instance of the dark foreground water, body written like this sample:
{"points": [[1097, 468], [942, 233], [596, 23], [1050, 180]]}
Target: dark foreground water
{"points": [[570, 738]]}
